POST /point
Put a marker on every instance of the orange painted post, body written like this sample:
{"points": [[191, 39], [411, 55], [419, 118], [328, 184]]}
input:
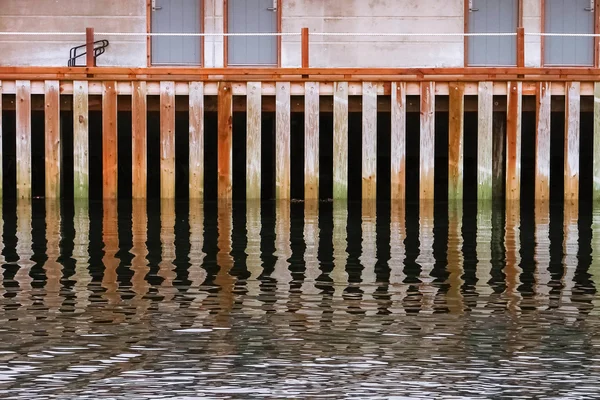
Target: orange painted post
{"points": [[456, 140], [225, 140], [90, 61], [167, 140], [109, 140], [52, 122], [305, 48], [520, 47], [513, 141]]}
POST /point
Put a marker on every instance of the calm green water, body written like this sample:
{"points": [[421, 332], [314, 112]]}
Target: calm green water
{"points": [[297, 300]]}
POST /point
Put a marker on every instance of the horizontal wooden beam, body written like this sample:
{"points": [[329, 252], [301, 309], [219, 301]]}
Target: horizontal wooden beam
{"points": [[297, 103]]}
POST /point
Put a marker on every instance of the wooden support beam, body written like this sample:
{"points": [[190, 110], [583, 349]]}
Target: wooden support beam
{"points": [[224, 151], [398, 141], [139, 134], [513, 141], [498, 155], [109, 140], [52, 140], [572, 134], [305, 48], [340, 141], [196, 139], [282, 141], [542, 143], [253, 140], [520, 47], [23, 106], [427, 152], [90, 60], [311, 141], [484, 143], [167, 140], [80, 140], [456, 123], [369, 142], [596, 178]]}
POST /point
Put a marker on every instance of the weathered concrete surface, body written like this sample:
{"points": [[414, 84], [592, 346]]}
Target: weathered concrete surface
{"points": [[532, 22], [71, 16]]}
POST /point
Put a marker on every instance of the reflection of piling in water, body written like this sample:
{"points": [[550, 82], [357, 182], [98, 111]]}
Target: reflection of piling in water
{"points": [[484, 255], [426, 259], [224, 280], [166, 268], [196, 273], [110, 238], [252, 303], [454, 295], [595, 267], [139, 263], [368, 257], [542, 256], [2, 265], [397, 287], [512, 269], [570, 261], [24, 252], [283, 252], [52, 267], [308, 289], [339, 275], [81, 243]]}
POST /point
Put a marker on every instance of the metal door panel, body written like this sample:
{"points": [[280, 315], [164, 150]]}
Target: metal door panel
{"points": [[176, 16], [252, 16], [569, 16], [493, 16]]}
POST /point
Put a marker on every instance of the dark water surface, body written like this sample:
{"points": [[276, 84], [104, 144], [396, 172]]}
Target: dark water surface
{"points": [[188, 300]]}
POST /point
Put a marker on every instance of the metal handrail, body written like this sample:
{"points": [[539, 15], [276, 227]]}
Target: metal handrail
{"points": [[98, 51]]}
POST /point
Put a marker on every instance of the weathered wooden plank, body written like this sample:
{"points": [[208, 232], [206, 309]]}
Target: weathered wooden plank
{"points": [[340, 140], [109, 140], [369, 141], [572, 122], [196, 138], [225, 141], [542, 145], [282, 141], [23, 100], [253, 140], [311, 141], [513, 141], [596, 184], [498, 155], [427, 152], [484, 144], [456, 123], [167, 140], [80, 140], [139, 157], [398, 141], [53, 139]]}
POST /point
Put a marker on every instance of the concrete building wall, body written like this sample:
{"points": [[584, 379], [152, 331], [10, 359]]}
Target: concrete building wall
{"points": [[71, 16], [353, 16]]}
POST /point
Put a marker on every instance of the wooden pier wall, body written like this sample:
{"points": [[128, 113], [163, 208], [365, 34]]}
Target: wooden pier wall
{"points": [[433, 99]]}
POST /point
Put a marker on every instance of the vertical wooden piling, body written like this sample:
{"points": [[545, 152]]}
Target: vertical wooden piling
{"points": [[513, 141], [282, 141], [572, 110], [498, 155], [109, 140], [224, 149], [484, 144], [253, 139], [167, 140], [139, 140], [398, 141], [427, 152], [196, 139], [52, 142], [80, 140], [542, 143], [23, 106], [456, 140], [369, 141], [340, 140], [311, 141], [596, 180]]}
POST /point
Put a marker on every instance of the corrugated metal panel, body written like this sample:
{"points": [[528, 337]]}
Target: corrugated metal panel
{"points": [[175, 16], [569, 16], [252, 16], [493, 16]]}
